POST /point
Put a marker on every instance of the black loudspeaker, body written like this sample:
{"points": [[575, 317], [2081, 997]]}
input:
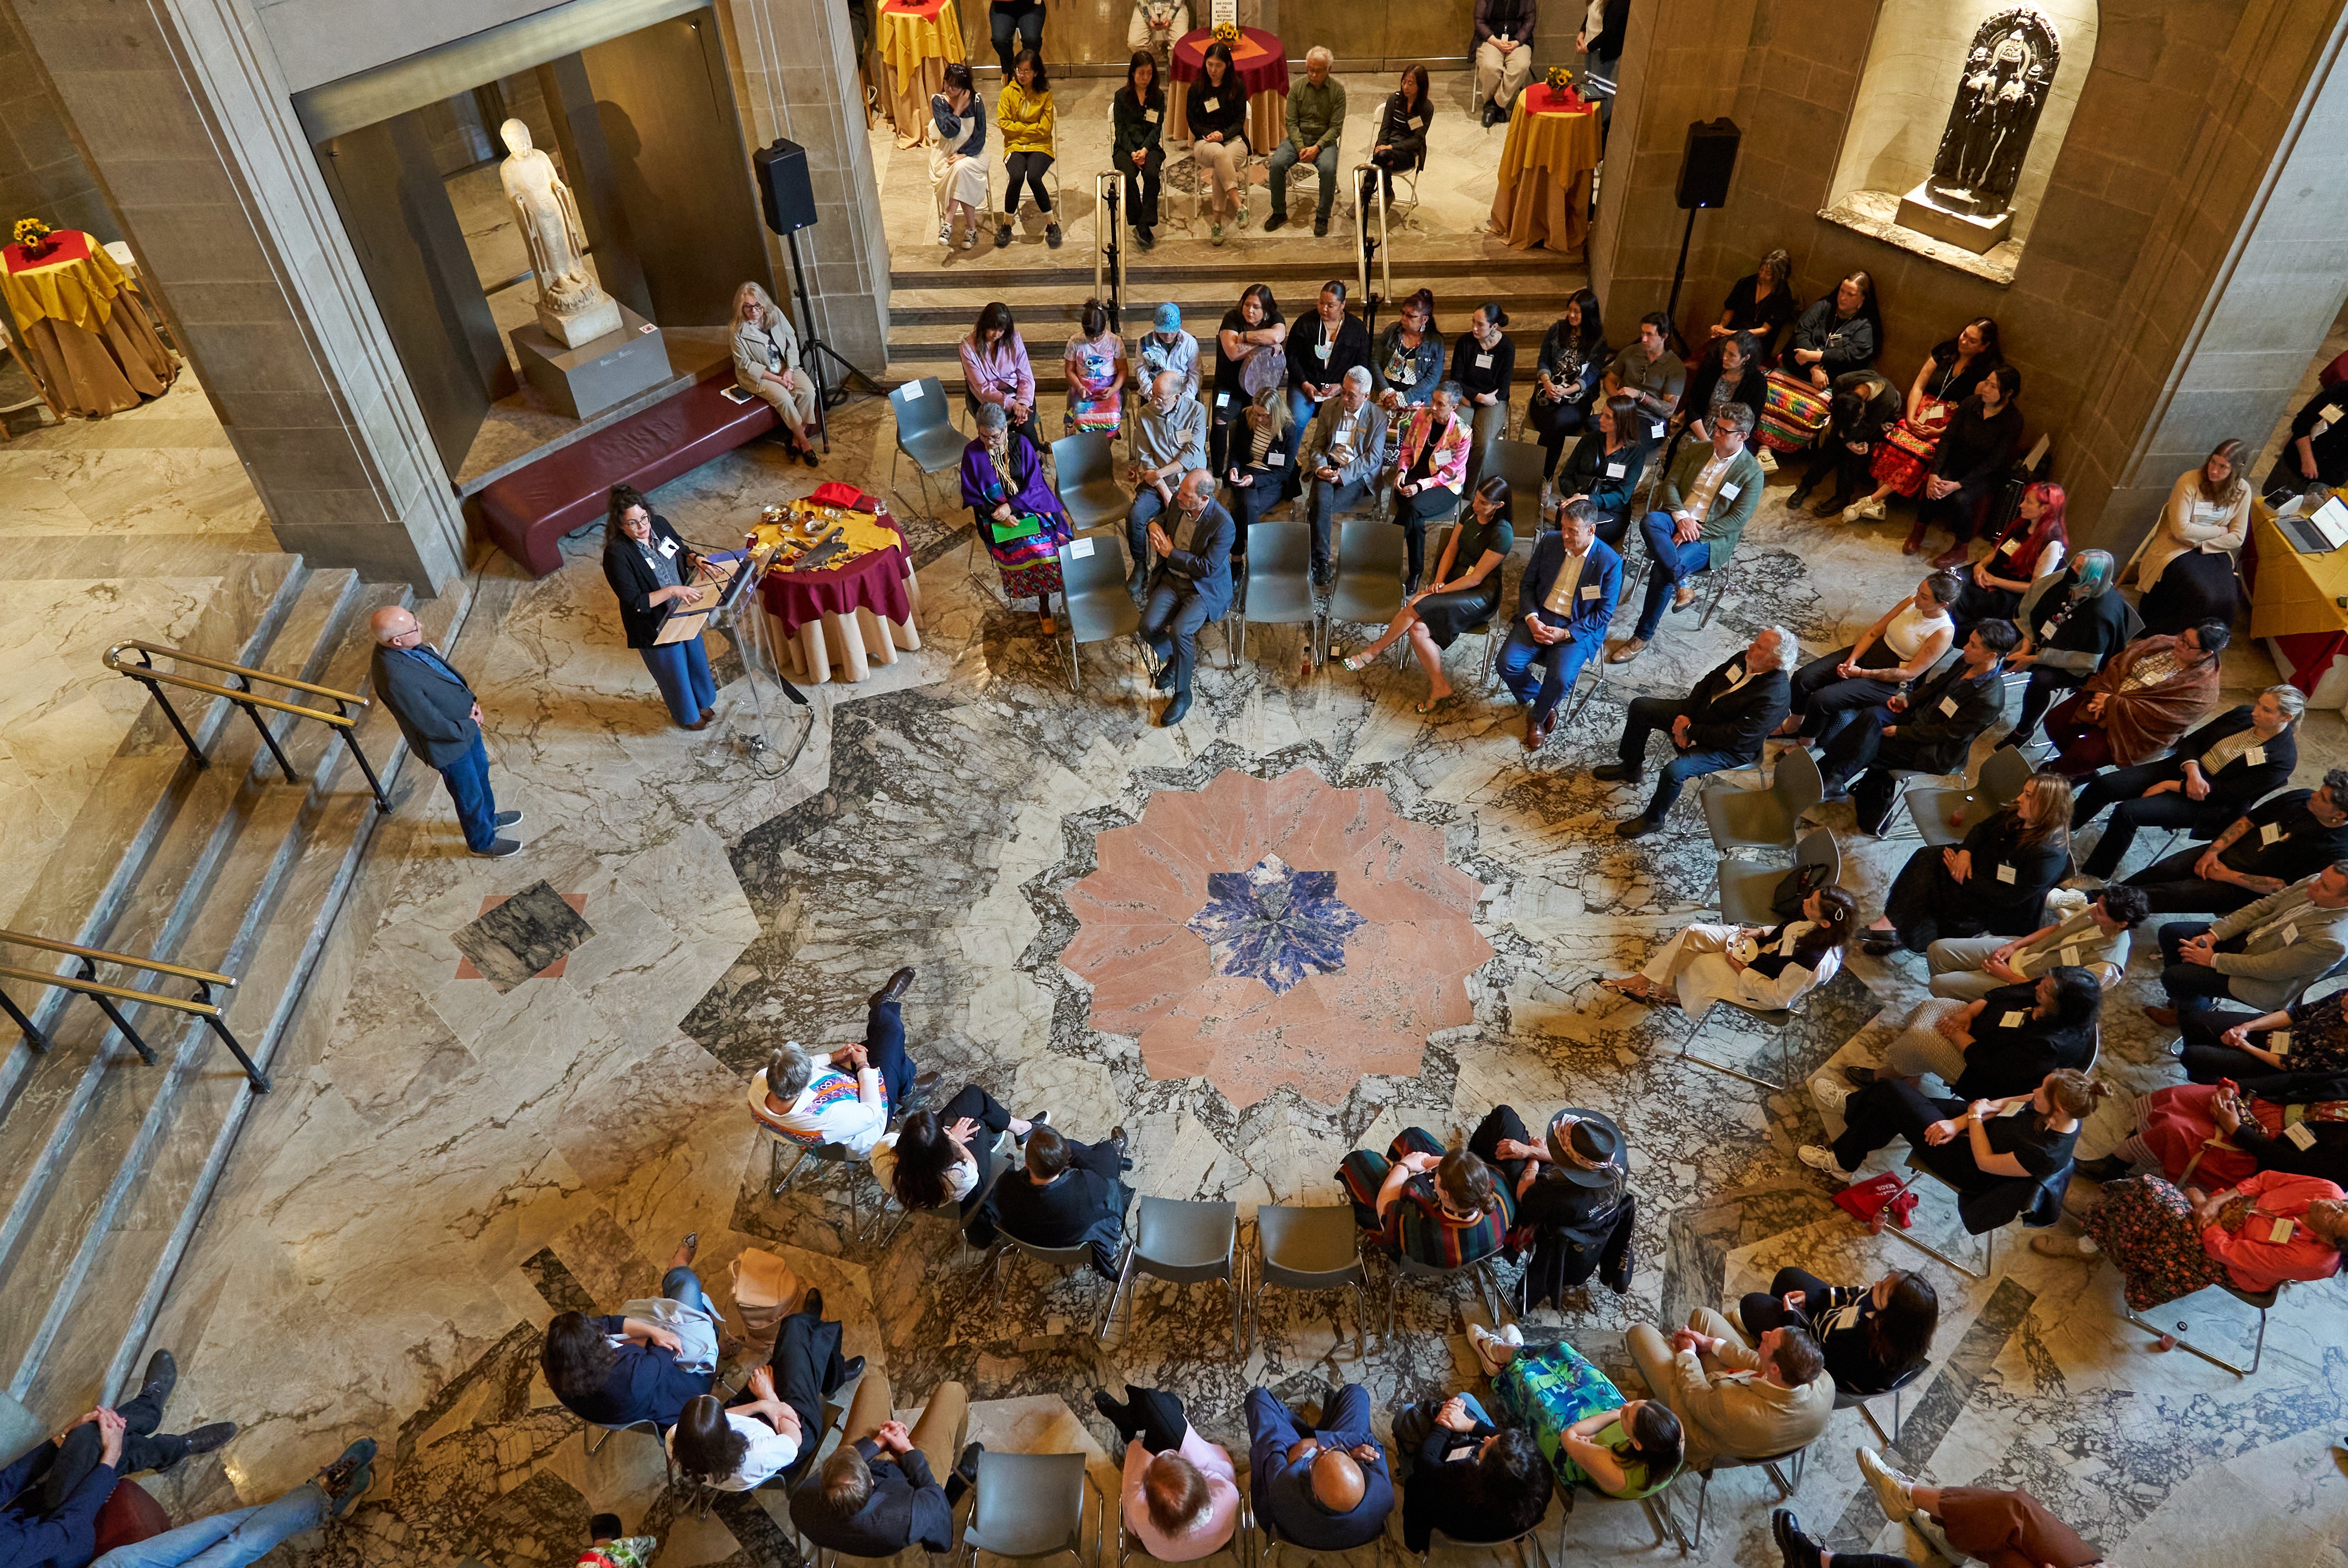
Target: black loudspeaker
{"points": [[784, 191], [1704, 168]]}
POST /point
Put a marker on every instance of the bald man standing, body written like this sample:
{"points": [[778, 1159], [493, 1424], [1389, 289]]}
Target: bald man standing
{"points": [[442, 721], [1326, 1489]]}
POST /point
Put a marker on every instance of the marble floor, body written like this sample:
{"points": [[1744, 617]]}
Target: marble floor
{"points": [[455, 1152]]}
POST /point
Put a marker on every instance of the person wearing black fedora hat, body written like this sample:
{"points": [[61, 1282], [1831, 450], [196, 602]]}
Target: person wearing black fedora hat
{"points": [[1575, 1210]]}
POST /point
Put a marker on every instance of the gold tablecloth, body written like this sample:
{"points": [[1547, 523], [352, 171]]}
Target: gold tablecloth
{"points": [[2294, 595], [82, 328], [917, 49], [1545, 169]]}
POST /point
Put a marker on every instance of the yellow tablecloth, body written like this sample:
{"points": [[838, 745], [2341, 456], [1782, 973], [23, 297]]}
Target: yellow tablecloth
{"points": [[2295, 595], [91, 357], [1545, 169], [80, 290], [917, 50]]}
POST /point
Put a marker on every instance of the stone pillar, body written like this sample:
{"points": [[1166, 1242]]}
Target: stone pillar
{"points": [[191, 134], [794, 64]]}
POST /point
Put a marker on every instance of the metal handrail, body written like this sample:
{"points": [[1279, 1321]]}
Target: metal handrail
{"points": [[25, 939], [246, 698], [107, 996]]}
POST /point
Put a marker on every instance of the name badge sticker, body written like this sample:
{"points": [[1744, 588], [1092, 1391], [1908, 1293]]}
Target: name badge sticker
{"points": [[1730, 492], [913, 391], [1614, 470], [1274, 459], [2256, 756], [1211, 105], [1149, 115], [668, 549], [2045, 629], [1080, 549], [1483, 362], [2270, 834], [1590, 590], [2291, 934], [2300, 1138], [2279, 1042], [2005, 874], [2283, 1231], [2013, 1019], [1948, 707], [1417, 124], [2070, 956], [1222, 399]]}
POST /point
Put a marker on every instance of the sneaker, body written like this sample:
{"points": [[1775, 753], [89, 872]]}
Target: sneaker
{"points": [[1495, 1351], [945, 233], [969, 240], [1865, 511], [1768, 459], [1819, 1158], [1215, 233], [348, 1477], [1052, 235], [1892, 1490], [1828, 1095], [505, 819], [1003, 236], [1240, 218], [499, 849]]}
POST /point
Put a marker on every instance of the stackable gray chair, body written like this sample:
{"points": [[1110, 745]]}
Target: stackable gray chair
{"points": [[1315, 1248], [925, 430], [1859, 1403], [1085, 477], [1280, 582], [1476, 1271], [1093, 592], [1519, 462], [833, 1157], [1768, 1463], [1436, 1538], [1936, 807], [1183, 1243], [1368, 590], [1027, 1506], [1763, 818], [1747, 891], [603, 1435], [2264, 1300]]}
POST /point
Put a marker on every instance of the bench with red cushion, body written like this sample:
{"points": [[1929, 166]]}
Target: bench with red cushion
{"points": [[526, 513]]}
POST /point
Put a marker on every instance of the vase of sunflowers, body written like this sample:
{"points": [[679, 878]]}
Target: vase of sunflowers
{"points": [[35, 238], [1227, 34]]}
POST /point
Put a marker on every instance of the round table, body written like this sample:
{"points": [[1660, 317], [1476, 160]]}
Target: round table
{"points": [[1263, 64], [917, 43], [82, 329], [859, 614], [1545, 169]]}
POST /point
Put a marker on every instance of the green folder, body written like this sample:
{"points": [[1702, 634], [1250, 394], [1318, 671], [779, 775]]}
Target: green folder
{"points": [[1025, 525]]}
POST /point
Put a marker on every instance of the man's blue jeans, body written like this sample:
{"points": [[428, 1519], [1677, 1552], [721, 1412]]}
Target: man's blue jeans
{"points": [[468, 779], [228, 1539], [1560, 664], [1648, 714], [1283, 159], [1674, 561]]}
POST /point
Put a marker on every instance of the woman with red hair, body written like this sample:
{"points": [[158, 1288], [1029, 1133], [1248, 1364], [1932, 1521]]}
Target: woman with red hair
{"points": [[2032, 545]]}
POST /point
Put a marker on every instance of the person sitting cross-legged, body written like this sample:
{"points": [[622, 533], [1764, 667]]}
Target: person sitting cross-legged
{"points": [[1701, 510], [1323, 1486], [1709, 962], [1442, 1209], [2002, 1045], [2286, 836], [1965, 967], [1720, 724], [1190, 586], [2214, 775], [1564, 602], [2262, 954], [1067, 1194], [1466, 592], [244, 1535], [878, 1492], [808, 1101], [1181, 1497], [1736, 1399], [1927, 729]]}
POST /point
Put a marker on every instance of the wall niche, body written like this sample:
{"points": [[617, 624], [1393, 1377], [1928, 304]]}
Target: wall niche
{"points": [[1934, 158]]}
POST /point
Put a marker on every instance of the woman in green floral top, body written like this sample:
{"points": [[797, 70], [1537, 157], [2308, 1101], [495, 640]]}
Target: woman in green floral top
{"points": [[1592, 1435]]}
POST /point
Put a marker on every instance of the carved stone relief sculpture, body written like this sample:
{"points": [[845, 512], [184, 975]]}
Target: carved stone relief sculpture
{"points": [[1968, 198]]}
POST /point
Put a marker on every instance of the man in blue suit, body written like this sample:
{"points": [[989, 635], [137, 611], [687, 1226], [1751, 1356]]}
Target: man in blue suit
{"points": [[436, 712], [1563, 604], [1190, 587], [1323, 1488]]}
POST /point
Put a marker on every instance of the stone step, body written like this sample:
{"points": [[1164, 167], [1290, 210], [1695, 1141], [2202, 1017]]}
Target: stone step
{"points": [[271, 909], [1238, 274], [234, 820]]}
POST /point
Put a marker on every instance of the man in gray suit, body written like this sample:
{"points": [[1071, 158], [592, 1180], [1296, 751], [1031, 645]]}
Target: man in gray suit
{"points": [[436, 712], [1338, 459], [1736, 1400], [2262, 954]]}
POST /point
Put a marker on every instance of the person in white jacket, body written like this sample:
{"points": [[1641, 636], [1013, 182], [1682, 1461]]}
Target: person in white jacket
{"points": [[2208, 509], [850, 1096], [1705, 964]]}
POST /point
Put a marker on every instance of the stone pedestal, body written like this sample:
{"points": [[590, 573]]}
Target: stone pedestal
{"points": [[583, 382], [600, 319], [1919, 212]]}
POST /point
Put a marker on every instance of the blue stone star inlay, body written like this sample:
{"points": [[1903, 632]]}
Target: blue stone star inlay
{"points": [[1276, 923]]}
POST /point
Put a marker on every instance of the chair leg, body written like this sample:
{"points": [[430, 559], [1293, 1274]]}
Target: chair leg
{"points": [[1703, 1496], [1718, 593], [1686, 1055], [1989, 1258], [1123, 1275], [2184, 1344]]}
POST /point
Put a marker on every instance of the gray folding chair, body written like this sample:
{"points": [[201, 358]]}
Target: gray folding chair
{"points": [[1519, 462], [1763, 818], [2264, 1300], [834, 1157], [21, 1431], [1093, 592], [1064, 1258], [2045, 1208], [1858, 1402], [1746, 893], [1279, 581], [1368, 590], [1476, 1271], [991, 1164], [1026, 1506], [1936, 808], [1769, 1463], [925, 431], [1436, 1538], [603, 1435], [1779, 1021], [1085, 477], [1182, 1243], [1315, 1248]]}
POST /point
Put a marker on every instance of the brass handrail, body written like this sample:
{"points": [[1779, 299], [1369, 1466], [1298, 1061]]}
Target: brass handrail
{"points": [[201, 1006], [246, 698], [118, 993], [251, 674], [22, 940]]}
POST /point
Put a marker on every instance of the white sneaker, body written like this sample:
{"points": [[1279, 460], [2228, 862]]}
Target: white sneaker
{"points": [[1869, 510], [1827, 1094], [1768, 459], [1892, 1490], [1820, 1159], [945, 233], [1495, 1351]]}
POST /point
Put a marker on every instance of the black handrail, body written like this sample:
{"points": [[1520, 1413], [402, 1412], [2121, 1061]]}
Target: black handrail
{"points": [[246, 698]]}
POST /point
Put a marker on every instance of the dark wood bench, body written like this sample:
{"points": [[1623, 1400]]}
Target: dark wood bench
{"points": [[526, 513]]}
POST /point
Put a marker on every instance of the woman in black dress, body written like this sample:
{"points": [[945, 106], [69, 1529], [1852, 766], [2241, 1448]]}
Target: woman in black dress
{"points": [[1573, 362], [1466, 592], [1996, 883], [1973, 458], [1605, 467], [1872, 1334], [1761, 303]]}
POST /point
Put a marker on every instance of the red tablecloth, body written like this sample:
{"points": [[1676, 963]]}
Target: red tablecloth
{"points": [[926, 9], [1262, 59], [68, 245], [875, 582]]}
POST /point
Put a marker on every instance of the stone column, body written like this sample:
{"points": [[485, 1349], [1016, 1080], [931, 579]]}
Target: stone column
{"points": [[189, 132], [794, 64]]}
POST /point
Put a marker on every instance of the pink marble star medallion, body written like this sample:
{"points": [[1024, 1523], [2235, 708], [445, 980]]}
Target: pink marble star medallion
{"points": [[1212, 932]]}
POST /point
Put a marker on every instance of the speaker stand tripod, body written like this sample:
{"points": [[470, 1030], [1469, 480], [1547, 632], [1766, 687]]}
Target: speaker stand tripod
{"points": [[1679, 276], [814, 351]]}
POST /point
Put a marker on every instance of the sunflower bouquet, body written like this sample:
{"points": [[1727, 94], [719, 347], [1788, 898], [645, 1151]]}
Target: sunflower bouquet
{"points": [[1227, 34], [1559, 79], [32, 235]]}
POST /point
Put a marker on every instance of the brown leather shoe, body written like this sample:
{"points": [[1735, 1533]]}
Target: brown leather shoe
{"points": [[2165, 1017], [1536, 732], [899, 984], [1622, 652], [1915, 540]]}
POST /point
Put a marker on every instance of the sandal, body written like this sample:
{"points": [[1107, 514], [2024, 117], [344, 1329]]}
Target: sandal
{"points": [[1356, 662], [1433, 703], [1637, 992]]}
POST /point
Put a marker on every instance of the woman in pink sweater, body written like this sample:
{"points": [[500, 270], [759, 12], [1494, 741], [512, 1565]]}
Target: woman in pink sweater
{"points": [[1181, 1497]]}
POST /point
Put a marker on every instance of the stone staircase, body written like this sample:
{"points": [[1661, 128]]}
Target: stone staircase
{"points": [[932, 309], [108, 1160]]}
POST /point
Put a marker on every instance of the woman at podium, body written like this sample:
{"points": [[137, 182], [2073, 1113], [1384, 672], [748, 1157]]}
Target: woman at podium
{"points": [[652, 573]]}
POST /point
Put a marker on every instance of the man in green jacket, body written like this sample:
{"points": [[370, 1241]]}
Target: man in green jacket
{"points": [[1707, 500], [1316, 118]]}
